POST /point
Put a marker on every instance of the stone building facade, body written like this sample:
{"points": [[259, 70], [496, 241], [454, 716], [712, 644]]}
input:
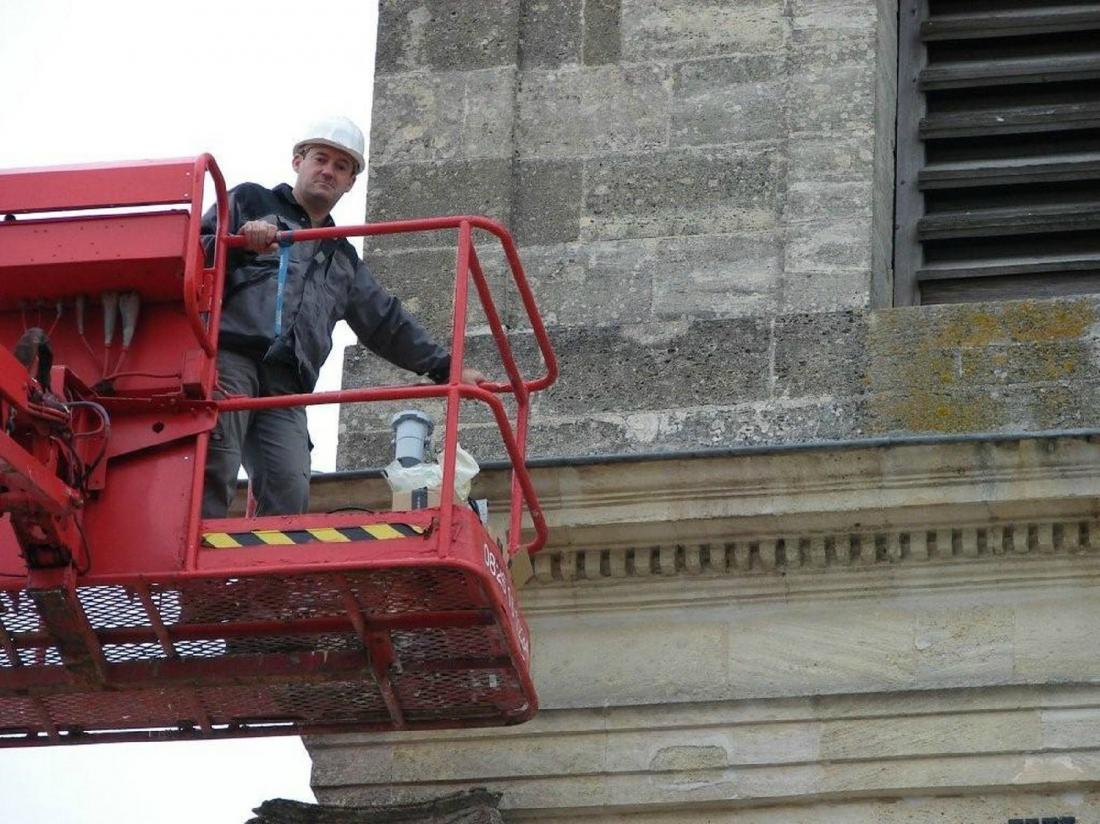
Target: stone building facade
{"points": [[814, 557]]}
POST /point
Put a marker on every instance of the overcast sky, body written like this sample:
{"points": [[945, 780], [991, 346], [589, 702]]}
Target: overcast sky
{"points": [[128, 79]]}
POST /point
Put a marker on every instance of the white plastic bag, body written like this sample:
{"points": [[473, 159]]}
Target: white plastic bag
{"points": [[419, 476], [465, 470], [430, 475]]}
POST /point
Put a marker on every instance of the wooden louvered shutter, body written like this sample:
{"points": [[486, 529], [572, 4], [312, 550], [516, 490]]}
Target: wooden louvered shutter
{"points": [[998, 176]]}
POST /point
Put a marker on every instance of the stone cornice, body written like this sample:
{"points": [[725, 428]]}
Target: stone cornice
{"points": [[1038, 540], [748, 483], [903, 486], [886, 507], [735, 632], [806, 512], [1024, 577]]}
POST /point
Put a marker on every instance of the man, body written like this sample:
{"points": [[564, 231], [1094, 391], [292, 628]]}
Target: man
{"points": [[276, 326]]}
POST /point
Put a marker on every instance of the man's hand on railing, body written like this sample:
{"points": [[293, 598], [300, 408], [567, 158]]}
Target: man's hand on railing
{"points": [[259, 236], [473, 376]]}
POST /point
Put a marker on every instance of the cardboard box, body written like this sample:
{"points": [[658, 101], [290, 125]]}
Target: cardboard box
{"points": [[402, 501]]}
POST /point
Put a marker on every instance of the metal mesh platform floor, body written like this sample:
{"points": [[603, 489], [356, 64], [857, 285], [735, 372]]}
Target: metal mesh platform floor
{"points": [[376, 649]]}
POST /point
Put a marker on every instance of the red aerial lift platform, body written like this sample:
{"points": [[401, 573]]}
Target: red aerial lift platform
{"points": [[126, 616]]}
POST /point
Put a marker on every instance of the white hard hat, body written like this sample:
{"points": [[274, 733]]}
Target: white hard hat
{"points": [[337, 132]]}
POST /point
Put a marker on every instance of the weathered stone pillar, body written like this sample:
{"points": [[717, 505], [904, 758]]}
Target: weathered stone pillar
{"points": [[441, 136]]}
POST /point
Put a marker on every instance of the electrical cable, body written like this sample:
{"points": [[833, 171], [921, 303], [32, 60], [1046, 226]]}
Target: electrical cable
{"points": [[87, 548], [56, 320], [105, 430], [91, 433], [116, 375], [75, 462], [118, 364], [49, 413], [91, 352]]}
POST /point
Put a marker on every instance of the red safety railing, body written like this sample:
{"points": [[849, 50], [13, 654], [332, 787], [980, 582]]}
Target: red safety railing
{"points": [[195, 296], [140, 621], [467, 267]]}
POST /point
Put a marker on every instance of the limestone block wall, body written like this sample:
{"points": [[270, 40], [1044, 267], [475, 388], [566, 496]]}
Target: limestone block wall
{"points": [[678, 175], [714, 383], [702, 193], [656, 160]]}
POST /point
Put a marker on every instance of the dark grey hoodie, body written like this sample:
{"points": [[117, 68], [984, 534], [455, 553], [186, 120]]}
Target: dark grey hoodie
{"points": [[326, 282]]}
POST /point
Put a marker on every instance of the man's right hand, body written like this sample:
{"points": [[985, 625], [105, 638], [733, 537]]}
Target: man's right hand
{"points": [[259, 236]]}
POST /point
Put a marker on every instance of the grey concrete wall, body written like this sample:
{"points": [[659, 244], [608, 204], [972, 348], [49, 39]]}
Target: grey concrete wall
{"points": [[702, 193]]}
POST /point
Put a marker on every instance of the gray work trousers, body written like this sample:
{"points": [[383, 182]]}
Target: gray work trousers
{"points": [[272, 444]]}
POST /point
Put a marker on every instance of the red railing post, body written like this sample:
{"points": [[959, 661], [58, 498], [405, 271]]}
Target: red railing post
{"points": [[467, 267], [458, 353], [208, 336]]}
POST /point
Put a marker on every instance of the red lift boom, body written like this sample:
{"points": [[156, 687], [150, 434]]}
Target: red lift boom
{"points": [[126, 616]]}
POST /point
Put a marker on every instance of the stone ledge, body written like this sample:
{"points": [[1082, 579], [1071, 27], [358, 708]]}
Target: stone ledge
{"points": [[835, 508], [962, 741], [839, 707]]}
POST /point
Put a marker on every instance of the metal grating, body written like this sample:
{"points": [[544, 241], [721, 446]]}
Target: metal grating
{"points": [[340, 701], [413, 590], [108, 607], [115, 653], [157, 708], [998, 150], [302, 642], [20, 716], [18, 618], [449, 644], [267, 654], [431, 695]]}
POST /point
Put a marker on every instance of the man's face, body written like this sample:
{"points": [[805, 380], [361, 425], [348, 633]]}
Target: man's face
{"points": [[324, 175]]}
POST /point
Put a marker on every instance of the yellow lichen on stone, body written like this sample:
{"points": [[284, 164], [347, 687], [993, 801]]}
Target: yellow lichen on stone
{"points": [[927, 365], [970, 326], [1020, 322], [928, 412], [1056, 366], [1032, 321]]}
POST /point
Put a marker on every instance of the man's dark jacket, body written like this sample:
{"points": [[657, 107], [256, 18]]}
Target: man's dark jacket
{"points": [[326, 282]]}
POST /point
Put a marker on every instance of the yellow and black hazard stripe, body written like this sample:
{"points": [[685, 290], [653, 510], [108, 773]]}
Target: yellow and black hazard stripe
{"points": [[320, 535]]}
